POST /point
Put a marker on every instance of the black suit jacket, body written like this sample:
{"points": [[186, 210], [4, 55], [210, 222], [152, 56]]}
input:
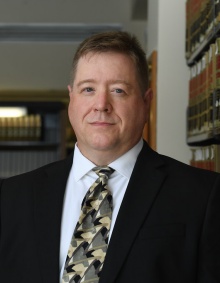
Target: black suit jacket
{"points": [[167, 229]]}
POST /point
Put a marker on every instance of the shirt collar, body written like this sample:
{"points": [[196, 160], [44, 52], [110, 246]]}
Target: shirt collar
{"points": [[123, 165], [81, 165]]}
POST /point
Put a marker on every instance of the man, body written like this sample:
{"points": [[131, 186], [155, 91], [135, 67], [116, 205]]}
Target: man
{"points": [[165, 224]]}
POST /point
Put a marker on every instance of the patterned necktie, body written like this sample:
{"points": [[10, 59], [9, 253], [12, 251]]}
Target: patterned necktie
{"points": [[88, 246]]}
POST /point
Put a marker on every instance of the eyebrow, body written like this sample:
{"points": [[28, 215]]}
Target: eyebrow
{"points": [[85, 81], [120, 82], [110, 81]]}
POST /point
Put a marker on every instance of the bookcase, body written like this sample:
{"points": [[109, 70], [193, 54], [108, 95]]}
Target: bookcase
{"points": [[41, 136], [203, 59]]}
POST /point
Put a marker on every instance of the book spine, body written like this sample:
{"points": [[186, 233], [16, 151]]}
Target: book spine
{"points": [[203, 20], [217, 90], [206, 102], [207, 157], [203, 94], [210, 16], [217, 12], [25, 128], [211, 84]]}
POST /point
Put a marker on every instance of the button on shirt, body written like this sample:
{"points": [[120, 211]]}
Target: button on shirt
{"points": [[80, 179]]}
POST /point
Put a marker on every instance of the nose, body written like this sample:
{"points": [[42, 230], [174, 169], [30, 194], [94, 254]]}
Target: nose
{"points": [[102, 102]]}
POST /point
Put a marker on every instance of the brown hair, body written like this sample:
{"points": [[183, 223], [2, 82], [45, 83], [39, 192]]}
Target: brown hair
{"points": [[117, 41]]}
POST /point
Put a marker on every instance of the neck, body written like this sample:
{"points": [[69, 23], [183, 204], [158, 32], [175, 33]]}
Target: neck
{"points": [[103, 157], [100, 158]]}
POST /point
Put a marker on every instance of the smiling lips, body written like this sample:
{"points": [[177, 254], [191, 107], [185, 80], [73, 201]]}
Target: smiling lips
{"points": [[101, 123]]}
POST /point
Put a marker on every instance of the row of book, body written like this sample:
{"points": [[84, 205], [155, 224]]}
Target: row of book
{"points": [[207, 157], [24, 128], [14, 162], [204, 93], [202, 18]]}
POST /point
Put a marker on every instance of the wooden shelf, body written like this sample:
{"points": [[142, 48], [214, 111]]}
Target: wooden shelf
{"points": [[29, 151], [204, 45], [27, 144]]}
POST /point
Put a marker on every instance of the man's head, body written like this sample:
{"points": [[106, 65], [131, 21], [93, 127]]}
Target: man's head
{"points": [[116, 41], [109, 98]]}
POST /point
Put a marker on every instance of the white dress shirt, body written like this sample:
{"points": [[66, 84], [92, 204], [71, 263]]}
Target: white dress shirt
{"points": [[80, 179]]}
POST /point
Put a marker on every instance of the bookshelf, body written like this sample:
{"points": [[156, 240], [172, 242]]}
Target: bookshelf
{"points": [[203, 58], [37, 138]]}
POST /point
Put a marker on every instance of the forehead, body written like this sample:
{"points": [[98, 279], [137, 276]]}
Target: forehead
{"points": [[96, 56], [105, 62]]}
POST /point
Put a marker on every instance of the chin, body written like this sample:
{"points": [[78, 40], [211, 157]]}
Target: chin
{"points": [[102, 145]]}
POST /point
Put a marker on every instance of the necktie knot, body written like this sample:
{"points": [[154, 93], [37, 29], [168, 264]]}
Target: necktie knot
{"points": [[103, 172]]}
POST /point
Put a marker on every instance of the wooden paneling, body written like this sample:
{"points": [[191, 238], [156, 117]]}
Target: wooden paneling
{"points": [[149, 133]]}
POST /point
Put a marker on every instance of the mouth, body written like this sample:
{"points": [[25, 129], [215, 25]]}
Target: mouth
{"points": [[101, 123]]}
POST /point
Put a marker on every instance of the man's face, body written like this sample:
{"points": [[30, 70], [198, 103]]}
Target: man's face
{"points": [[106, 109]]}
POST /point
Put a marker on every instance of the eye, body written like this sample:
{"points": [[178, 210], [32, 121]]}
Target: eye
{"points": [[87, 90], [119, 90]]}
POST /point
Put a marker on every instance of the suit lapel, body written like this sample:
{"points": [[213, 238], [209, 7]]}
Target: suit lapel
{"points": [[48, 213], [144, 185], [142, 189]]}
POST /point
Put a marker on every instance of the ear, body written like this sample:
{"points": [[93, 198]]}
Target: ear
{"points": [[148, 95], [69, 89]]}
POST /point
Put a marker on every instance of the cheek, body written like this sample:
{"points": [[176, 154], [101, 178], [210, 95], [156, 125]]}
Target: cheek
{"points": [[73, 115], [71, 111], [77, 111], [129, 113], [134, 116]]}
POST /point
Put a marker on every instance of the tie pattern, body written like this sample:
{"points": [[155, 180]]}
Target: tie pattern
{"points": [[88, 246]]}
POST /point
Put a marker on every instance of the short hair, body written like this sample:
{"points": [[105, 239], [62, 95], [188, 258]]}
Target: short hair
{"points": [[117, 41]]}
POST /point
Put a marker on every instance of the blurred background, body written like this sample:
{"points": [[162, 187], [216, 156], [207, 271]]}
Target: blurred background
{"points": [[38, 38], [37, 42]]}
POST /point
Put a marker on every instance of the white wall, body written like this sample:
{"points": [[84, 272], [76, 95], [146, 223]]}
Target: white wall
{"points": [[152, 26], [46, 65], [173, 74]]}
